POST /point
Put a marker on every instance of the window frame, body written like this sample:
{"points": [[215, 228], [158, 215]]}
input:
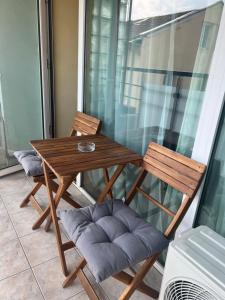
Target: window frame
{"points": [[209, 118]]}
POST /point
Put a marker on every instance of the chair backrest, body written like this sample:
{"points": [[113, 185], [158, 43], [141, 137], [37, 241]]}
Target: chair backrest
{"points": [[85, 124], [178, 171]]}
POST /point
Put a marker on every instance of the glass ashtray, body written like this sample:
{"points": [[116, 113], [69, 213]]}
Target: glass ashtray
{"points": [[86, 147]]}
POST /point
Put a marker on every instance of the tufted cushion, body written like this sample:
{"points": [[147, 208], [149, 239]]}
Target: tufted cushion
{"points": [[111, 236], [30, 161]]}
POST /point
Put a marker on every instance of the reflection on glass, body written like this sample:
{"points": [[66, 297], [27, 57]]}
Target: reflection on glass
{"points": [[146, 73], [20, 80], [212, 206]]}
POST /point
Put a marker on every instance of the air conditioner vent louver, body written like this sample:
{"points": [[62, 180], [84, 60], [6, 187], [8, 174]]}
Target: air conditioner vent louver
{"points": [[195, 268], [186, 290]]}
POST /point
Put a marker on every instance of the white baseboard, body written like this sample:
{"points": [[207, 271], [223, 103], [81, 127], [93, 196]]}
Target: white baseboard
{"points": [[85, 193], [10, 170], [159, 267]]}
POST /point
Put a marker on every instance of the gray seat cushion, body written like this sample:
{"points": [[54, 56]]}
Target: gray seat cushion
{"points": [[30, 161], [111, 236]]}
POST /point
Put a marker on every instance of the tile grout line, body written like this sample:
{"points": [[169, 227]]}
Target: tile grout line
{"points": [[14, 274], [29, 265], [30, 268], [103, 293], [81, 292], [8, 215], [19, 243]]}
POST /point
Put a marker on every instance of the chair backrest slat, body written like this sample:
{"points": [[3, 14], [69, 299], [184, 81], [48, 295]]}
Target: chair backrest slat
{"points": [[85, 124], [185, 170], [199, 167], [179, 186], [177, 170]]}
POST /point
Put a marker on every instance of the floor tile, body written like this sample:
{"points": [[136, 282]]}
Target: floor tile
{"points": [[3, 211], [154, 279], [16, 279], [50, 278], [12, 258], [80, 296], [24, 220], [97, 287], [40, 246], [12, 183], [42, 195], [12, 178], [7, 231], [13, 200], [22, 286], [114, 288]]}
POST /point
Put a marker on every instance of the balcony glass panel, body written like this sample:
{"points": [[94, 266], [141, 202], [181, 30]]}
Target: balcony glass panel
{"points": [[150, 83]]}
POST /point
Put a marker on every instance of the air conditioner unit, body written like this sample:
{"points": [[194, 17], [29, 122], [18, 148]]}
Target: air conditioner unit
{"points": [[195, 267]]}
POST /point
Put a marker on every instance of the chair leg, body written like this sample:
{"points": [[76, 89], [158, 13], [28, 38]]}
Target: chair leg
{"points": [[41, 219], [36, 205], [46, 212], [109, 185], [136, 184], [32, 193], [138, 278], [87, 285], [73, 275], [106, 177], [142, 287], [78, 272], [54, 201], [67, 198]]}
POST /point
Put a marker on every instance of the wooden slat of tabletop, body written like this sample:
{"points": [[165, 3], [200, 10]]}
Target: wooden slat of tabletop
{"points": [[71, 139], [65, 159], [70, 147]]}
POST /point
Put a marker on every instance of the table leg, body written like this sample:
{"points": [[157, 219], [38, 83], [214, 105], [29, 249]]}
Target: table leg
{"points": [[106, 177], [65, 197], [110, 183], [64, 184], [41, 219], [46, 212]]}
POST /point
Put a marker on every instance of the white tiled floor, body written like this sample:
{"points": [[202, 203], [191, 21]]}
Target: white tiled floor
{"points": [[29, 263]]}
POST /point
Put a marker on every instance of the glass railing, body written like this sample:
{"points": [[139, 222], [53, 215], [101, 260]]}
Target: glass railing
{"points": [[20, 78]]}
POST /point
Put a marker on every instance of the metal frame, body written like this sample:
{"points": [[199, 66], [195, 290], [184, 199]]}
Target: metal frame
{"points": [[210, 116], [80, 66], [42, 7], [45, 56], [81, 55]]}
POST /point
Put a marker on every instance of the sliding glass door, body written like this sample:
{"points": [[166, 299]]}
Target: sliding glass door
{"points": [[146, 71], [20, 78], [212, 206]]}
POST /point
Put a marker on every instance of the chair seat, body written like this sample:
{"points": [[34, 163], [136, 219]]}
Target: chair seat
{"points": [[30, 161], [111, 236]]}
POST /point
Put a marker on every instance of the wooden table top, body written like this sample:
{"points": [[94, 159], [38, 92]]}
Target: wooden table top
{"points": [[64, 159]]}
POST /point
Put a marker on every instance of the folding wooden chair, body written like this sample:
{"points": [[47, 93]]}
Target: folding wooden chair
{"points": [[100, 240], [83, 124]]}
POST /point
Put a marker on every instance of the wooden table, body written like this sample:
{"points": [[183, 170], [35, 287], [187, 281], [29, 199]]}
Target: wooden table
{"points": [[62, 158]]}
